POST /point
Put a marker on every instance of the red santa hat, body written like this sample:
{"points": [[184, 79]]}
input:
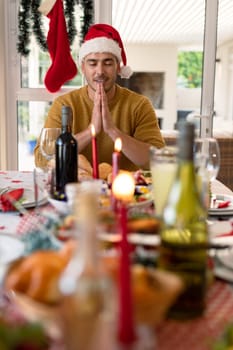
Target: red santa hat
{"points": [[105, 38]]}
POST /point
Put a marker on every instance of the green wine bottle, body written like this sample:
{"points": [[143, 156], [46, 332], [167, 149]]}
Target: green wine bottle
{"points": [[184, 232]]}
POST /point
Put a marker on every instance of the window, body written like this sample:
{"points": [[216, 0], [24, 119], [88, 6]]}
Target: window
{"points": [[32, 100], [189, 73]]}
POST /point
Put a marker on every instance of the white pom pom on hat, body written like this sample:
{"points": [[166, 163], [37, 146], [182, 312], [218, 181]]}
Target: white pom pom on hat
{"points": [[105, 38]]}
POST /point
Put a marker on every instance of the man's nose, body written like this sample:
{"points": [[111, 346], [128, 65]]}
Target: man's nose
{"points": [[99, 68]]}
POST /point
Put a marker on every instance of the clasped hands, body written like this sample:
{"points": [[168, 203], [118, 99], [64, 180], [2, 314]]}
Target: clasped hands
{"points": [[101, 117]]}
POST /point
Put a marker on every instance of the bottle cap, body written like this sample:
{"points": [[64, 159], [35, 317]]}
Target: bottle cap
{"points": [[66, 116], [185, 140]]}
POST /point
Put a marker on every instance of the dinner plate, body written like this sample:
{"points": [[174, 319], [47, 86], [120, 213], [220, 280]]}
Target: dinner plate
{"points": [[61, 206], [223, 262], [11, 248], [225, 257], [29, 198], [152, 240], [222, 211]]}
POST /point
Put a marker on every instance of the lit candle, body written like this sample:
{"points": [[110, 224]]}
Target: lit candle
{"points": [[95, 164], [123, 189], [116, 157]]}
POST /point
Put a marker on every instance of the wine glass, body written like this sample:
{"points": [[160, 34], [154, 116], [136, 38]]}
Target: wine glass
{"points": [[48, 139], [207, 163], [207, 156]]}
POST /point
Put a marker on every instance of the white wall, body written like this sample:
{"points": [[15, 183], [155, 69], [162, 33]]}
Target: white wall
{"points": [[158, 59], [2, 90], [189, 99], [224, 77], [164, 59]]}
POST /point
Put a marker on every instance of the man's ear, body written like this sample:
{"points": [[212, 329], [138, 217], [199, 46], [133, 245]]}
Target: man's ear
{"points": [[82, 67], [118, 67]]}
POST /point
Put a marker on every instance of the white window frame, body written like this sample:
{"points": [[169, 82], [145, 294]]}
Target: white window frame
{"points": [[14, 92]]}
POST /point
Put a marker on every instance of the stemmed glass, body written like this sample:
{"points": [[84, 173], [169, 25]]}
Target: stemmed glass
{"points": [[207, 155], [48, 139], [207, 163]]}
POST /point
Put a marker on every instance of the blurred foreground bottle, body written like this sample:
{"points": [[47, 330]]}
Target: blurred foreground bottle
{"points": [[184, 232], [66, 155], [84, 283]]}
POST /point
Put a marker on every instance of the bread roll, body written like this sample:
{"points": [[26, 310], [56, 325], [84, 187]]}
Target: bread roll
{"points": [[104, 170], [84, 175], [84, 164]]}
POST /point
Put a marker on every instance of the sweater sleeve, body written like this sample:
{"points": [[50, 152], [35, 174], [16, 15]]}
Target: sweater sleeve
{"points": [[147, 127]]}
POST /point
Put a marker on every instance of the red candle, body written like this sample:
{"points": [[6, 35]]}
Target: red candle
{"points": [[116, 157], [95, 164], [123, 190], [126, 331]]}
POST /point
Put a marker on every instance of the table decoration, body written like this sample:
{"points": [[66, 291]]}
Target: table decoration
{"points": [[94, 153], [9, 198], [123, 190]]}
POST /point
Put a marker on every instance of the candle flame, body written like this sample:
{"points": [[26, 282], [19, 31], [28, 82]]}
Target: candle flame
{"points": [[118, 145], [123, 186], [93, 130]]}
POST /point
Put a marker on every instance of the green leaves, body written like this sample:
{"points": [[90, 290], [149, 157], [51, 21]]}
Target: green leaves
{"points": [[190, 69]]}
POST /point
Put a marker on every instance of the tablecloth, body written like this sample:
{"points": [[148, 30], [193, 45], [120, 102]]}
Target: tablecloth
{"points": [[199, 334]]}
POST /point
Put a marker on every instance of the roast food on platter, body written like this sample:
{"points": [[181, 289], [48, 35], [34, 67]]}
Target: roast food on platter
{"points": [[37, 274], [34, 280]]}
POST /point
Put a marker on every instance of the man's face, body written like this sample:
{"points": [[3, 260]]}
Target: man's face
{"points": [[100, 68]]}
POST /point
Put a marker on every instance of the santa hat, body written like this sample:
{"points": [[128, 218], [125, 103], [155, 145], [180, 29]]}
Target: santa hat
{"points": [[105, 38]]}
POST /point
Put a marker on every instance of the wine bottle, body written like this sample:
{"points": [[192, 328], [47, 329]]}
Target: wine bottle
{"points": [[66, 155], [184, 232], [84, 284]]}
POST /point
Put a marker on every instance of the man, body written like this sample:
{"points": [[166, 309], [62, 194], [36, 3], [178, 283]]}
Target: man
{"points": [[114, 111]]}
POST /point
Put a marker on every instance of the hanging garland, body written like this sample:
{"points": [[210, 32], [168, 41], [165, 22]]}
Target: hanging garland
{"points": [[30, 21], [87, 18]]}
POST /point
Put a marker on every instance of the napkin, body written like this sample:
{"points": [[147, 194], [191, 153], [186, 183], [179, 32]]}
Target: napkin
{"points": [[8, 199]]}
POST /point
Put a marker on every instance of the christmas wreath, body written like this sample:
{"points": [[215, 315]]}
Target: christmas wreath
{"points": [[30, 21]]}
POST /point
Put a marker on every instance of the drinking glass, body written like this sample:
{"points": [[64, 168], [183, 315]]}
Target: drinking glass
{"points": [[207, 156], [163, 165], [207, 164], [48, 139]]}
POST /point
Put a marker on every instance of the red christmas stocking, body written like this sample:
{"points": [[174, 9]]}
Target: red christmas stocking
{"points": [[63, 67]]}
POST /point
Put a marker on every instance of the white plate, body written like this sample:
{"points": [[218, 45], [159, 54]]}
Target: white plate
{"points": [[134, 238], [29, 198], [11, 248], [225, 257], [63, 208], [223, 266], [222, 211], [60, 206], [223, 273]]}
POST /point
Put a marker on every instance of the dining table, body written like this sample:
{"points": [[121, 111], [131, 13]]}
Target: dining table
{"points": [[196, 334]]}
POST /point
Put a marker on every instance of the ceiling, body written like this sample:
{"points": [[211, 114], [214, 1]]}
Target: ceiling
{"points": [[178, 22]]}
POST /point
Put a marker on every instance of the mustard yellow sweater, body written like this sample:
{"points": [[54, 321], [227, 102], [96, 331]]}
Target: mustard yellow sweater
{"points": [[132, 113]]}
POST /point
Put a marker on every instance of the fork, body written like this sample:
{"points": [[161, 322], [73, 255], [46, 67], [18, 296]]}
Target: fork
{"points": [[4, 190]]}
